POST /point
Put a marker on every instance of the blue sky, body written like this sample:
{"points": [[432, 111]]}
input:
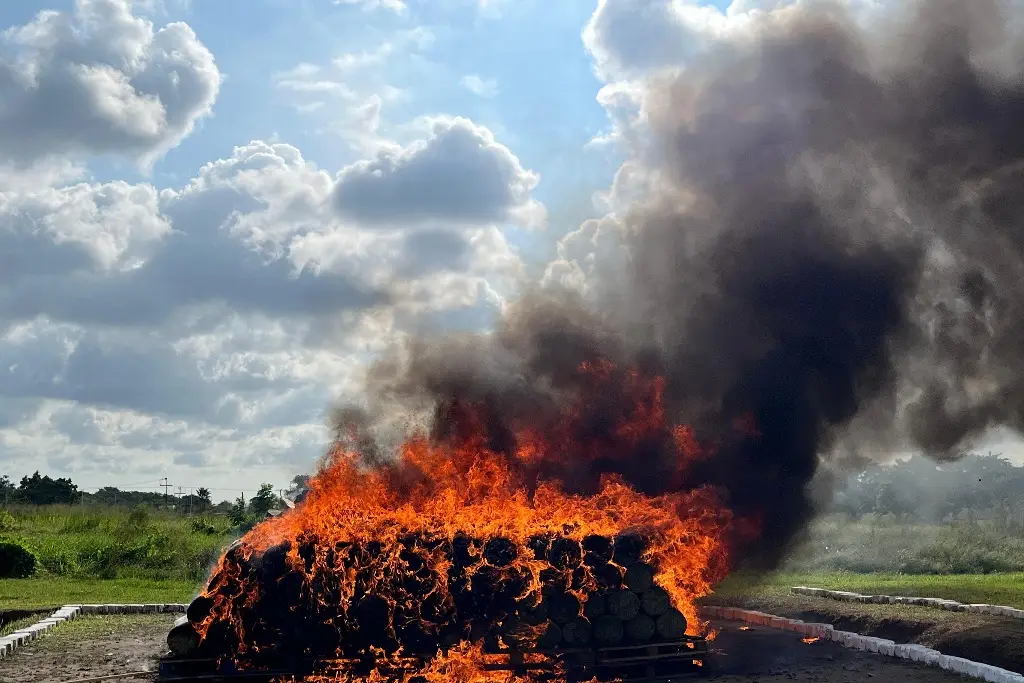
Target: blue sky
{"points": [[339, 83], [539, 97], [217, 213]]}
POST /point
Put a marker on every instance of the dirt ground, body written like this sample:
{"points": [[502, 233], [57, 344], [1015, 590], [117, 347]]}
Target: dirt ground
{"points": [[100, 646], [764, 655], [91, 647], [992, 640]]}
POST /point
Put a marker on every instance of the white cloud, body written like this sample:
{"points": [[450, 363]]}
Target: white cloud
{"points": [[210, 325], [393, 5], [460, 173], [98, 79], [480, 87]]}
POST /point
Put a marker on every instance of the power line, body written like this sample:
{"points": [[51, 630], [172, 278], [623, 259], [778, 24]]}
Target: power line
{"points": [[166, 486]]}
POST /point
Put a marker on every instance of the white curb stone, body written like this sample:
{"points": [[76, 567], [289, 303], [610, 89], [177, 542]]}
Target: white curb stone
{"points": [[937, 603], [10, 643]]}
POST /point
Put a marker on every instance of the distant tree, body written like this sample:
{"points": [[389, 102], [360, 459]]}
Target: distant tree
{"points": [[237, 512], [8, 492], [203, 496], [264, 501], [39, 490]]}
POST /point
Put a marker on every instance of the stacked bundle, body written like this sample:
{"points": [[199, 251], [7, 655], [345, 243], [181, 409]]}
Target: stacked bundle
{"points": [[425, 593]]}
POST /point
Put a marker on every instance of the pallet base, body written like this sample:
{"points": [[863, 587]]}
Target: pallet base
{"points": [[647, 662]]}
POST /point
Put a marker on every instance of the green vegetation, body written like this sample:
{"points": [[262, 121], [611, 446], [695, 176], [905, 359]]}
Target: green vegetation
{"points": [[993, 589], [53, 591], [887, 544], [16, 561], [85, 542]]}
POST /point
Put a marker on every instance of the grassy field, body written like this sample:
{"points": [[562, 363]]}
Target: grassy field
{"points": [[52, 591], [994, 589], [890, 546], [115, 543], [131, 556]]}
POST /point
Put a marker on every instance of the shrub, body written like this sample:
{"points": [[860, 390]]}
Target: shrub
{"points": [[7, 521], [201, 526], [61, 562], [139, 517], [16, 561]]}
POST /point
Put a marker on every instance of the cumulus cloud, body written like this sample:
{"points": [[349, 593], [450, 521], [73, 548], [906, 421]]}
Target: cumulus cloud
{"points": [[460, 174], [98, 79], [211, 324]]}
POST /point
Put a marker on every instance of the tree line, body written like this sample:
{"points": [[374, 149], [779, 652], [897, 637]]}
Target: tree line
{"points": [[39, 489], [923, 490]]}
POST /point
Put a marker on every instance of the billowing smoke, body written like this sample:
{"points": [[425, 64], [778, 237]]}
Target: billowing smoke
{"points": [[830, 246]]}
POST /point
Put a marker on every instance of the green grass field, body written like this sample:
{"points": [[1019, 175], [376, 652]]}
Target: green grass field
{"points": [[96, 555], [109, 555], [889, 546], [115, 543], [51, 591], [994, 589]]}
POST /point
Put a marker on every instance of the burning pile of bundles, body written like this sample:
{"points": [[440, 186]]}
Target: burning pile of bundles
{"points": [[424, 594]]}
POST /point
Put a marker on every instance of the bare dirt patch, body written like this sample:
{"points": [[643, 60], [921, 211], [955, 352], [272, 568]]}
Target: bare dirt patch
{"points": [[89, 647]]}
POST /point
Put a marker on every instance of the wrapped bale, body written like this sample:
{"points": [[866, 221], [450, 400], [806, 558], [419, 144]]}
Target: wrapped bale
{"points": [[182, 640], [640, 628], [671, 625], [628, 548], [639, 577], [607, 630], [533, 613], [563, 608], [596, 550], [565, 553], [594, 606], [551, 637], [607, 576], [577, 633], [199, 609], [500, 552], [655, 602], [623, 604]]}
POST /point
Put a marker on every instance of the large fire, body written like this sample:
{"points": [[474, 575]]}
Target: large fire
{"points": [[450, 523]]}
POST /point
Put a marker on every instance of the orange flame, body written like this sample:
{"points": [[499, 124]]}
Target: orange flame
{"points": [[810, 641], [463, 486]]}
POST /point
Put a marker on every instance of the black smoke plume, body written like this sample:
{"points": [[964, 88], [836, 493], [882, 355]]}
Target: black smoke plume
{"points": [[832, 246]]}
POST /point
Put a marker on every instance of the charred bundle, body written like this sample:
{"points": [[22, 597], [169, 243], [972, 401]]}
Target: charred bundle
{"points": [[425, 594]]}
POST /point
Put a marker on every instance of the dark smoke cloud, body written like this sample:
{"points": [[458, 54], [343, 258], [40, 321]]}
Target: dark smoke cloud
{"points": [[833, 247]]}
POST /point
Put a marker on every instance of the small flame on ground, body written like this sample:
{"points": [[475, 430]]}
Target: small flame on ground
{"points": [[811, 640], [744, 628]]}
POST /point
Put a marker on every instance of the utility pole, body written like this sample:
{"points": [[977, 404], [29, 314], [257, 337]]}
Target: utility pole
{"points": [[165, 486]]}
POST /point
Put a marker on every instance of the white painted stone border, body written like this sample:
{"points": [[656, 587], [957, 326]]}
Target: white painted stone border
{"points": [[914, 653], [10, 643], [938, 603]]}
